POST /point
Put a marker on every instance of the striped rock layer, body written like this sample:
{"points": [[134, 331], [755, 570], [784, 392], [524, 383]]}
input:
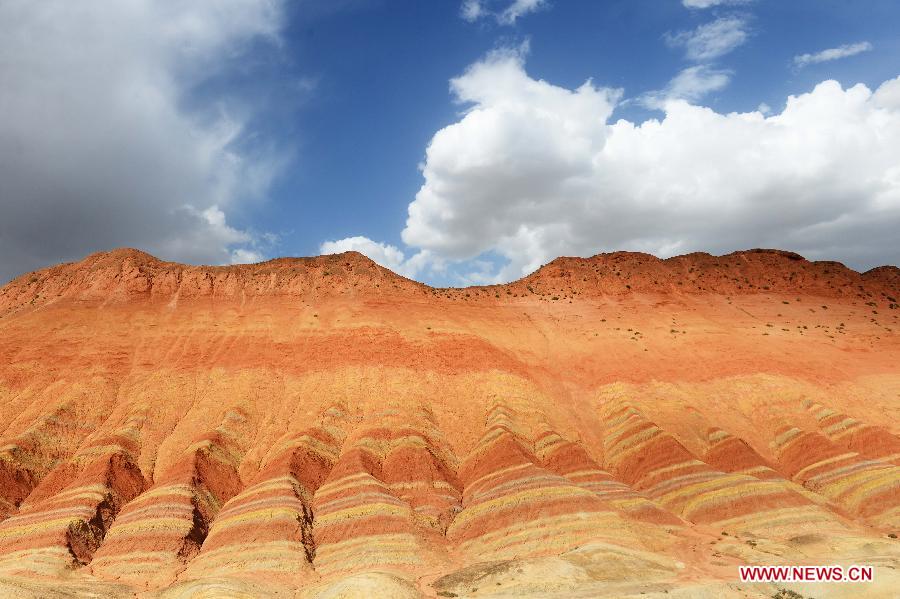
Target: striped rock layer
{"points": [[871, 441], [657, 464], [385, 504], [347, 499], [513, 506], [67, 516], [323, 427], [28, 457], [165, 527], [266, 529], [573, 462], [868, 489]]}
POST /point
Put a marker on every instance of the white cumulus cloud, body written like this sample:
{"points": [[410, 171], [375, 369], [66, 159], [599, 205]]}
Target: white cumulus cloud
{"points": [[99, 147], [388, 256], [711, 40], [691, 84], [532, 171], [473, 10], [695, 82], [832, 54]]}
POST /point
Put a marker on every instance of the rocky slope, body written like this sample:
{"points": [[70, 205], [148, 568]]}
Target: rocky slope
{"points": [[612, 426]]}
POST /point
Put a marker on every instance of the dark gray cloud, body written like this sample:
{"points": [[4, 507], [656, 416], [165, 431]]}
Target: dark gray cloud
{"points": [[97, 149]]}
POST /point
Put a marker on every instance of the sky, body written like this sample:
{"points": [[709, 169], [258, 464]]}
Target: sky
{"points": [[457, 142]]}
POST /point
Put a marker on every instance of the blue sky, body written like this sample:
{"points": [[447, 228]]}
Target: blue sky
{"points": [[241, 130]]}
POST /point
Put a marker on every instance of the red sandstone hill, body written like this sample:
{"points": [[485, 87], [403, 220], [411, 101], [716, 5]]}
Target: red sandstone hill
{"points": [[129, 272], [618, 425]]}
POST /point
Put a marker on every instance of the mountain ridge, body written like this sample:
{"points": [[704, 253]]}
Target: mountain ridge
{"points": [[137, 273], [318, 428]]}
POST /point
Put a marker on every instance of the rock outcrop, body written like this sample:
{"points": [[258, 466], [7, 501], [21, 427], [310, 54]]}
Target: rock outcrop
{"points": [[321, 427]]}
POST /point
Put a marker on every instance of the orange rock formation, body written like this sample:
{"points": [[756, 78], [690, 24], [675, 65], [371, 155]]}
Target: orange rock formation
{"points": [[612, 426]]}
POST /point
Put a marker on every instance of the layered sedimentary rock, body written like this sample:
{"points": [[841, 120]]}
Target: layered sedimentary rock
{"points": [[26, 458], [732, 454], [67, 517], [611, 426], [266, 530], [512, 506], [572, 461], [874, 442], [161, 530], [387, 501], [656, 463], [869, 489]]}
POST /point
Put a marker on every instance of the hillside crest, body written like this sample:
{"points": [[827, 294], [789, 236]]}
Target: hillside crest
{"points": [[130, 273]]}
